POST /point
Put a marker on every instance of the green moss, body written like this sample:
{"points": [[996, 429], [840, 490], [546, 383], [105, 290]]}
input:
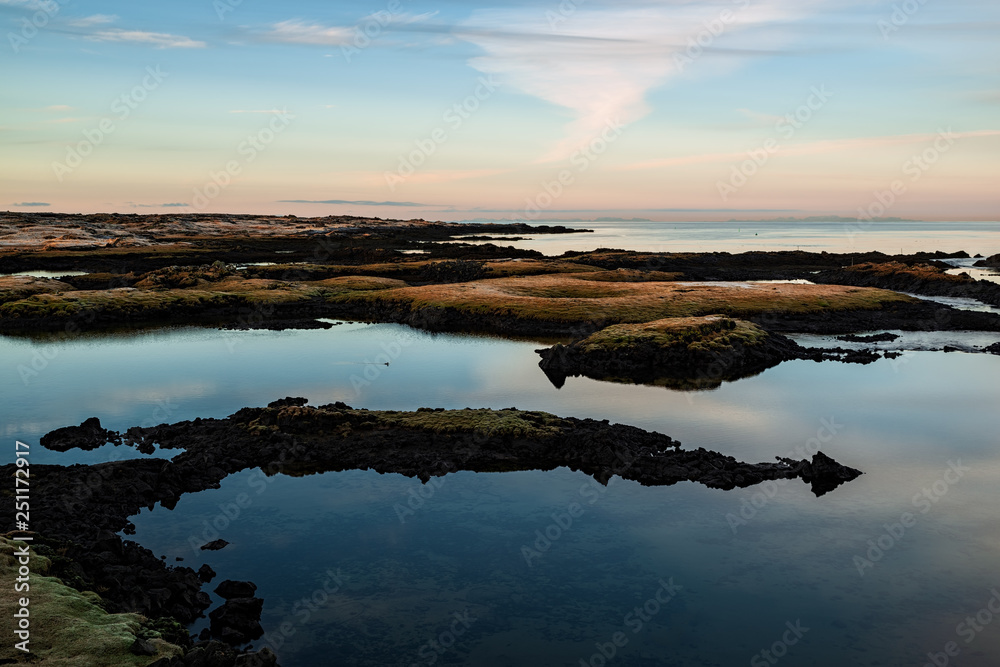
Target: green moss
{"points": [[69, 627], [705, 334], [492, 423]]}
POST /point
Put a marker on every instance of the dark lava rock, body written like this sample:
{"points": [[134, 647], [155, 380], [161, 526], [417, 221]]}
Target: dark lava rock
{"points": [[278, 325], [236, 589], [237, 621], [88, 435], [823, 473], [206, 573], [217, 654], [215, 545], [991, 261], [993, 349], [287, 401], [874, 338]]}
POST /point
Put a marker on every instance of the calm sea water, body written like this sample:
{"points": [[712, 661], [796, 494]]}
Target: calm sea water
{"points": [[350, 577], [839, 237]]}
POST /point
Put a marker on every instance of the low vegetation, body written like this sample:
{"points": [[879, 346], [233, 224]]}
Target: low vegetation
{"points": [[67, 624], [574, 298], [695, 334]]}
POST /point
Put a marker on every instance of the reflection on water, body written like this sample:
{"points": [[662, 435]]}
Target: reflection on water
{"points": [[901, 421], [45, 274]]}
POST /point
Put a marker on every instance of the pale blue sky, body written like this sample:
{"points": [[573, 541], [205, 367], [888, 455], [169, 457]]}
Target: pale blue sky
{"points": [[368, 120]]}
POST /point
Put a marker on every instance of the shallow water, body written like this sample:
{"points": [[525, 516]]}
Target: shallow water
{"points": [[900, 421]]}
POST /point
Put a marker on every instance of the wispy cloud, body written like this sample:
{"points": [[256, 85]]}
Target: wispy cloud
{"points": [[90, 21], [58, 107], [808, 148], [299, 32], [32, 203], [256, 111], [599, 62], [353, 203], [160, 40]]}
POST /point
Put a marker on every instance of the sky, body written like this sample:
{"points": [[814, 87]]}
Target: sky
{"points": [[563, 109]]}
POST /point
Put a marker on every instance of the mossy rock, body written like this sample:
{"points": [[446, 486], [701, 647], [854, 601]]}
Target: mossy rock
{"points": [[69, 627]]}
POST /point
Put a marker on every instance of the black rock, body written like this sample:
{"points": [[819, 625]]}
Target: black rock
{"points": [[88, 435], [214, 545], [237, 621], [229, 589], [875, 338], [206, 573], [142, 647], [262, 658], [288, 401]]}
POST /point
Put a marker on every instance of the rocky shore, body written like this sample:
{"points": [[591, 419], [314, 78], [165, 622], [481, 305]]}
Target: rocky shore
{"points": [[925, 279], [79, 511], [683, 353]]}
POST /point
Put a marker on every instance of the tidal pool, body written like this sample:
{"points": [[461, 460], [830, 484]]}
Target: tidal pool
{"points": [[368, 569]]}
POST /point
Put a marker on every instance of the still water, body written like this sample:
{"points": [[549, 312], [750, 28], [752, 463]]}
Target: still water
{"points": [[836, 237], [353, 578]]}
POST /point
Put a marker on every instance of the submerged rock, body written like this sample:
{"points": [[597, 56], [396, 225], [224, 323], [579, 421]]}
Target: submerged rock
{"points": [[874, 338], [215, 545]]}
